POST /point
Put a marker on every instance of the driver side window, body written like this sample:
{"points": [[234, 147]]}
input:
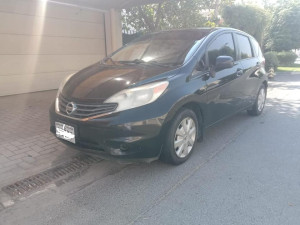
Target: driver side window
{"points": [[222, 46]]}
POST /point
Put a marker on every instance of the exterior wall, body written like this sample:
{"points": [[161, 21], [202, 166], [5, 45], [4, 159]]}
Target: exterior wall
{"points": [[41, 42]]}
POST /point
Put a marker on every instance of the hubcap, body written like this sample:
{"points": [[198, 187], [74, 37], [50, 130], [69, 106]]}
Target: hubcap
{"points": [[185, 137], [261, 99]]}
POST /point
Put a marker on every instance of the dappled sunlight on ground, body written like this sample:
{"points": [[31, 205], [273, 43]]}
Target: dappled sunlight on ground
{"points": [[284, 95]]}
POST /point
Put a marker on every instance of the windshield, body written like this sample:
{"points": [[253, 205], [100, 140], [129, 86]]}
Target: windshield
{"points": [[166, 48]]}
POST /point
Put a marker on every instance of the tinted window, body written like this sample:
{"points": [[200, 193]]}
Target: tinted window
{"points": [[245, 47], [201, 66], [221, 46], [256, 48]]}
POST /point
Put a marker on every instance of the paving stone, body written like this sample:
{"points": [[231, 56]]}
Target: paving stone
{"points": [[32, 153], [3, 159], [11, 163], [47, 151], [61, 148], [29, 159], [6, 153], [24, 133], [51, 146], [49, 142], [11, 147], [22, 150], [18, 156], [7, 168], [25, 165], [16, 143], [36, 148]]}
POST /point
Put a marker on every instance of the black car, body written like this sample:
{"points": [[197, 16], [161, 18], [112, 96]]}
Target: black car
{"points": [[154, 97]]}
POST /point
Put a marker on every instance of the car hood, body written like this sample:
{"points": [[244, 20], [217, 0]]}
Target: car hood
{"points": [[101, 81]]}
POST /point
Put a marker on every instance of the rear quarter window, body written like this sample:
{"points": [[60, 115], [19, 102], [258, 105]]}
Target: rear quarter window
{"points": [[256, 48], [244, 46]]}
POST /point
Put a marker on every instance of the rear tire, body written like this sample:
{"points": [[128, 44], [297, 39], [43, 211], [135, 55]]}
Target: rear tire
{"points": [[260, 101], [181, 138]]}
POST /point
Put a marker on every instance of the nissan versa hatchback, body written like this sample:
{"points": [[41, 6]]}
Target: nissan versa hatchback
{"points": [[154, 97]]}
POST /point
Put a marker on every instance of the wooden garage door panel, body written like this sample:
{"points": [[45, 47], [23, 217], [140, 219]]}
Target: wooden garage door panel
{"points": [[30, 25], [35, 82], [34, 8], [27, 64], [23, 44]]}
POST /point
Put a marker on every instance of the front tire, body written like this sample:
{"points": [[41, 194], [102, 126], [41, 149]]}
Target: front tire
{"points": [[181, 138], [260, 101]]}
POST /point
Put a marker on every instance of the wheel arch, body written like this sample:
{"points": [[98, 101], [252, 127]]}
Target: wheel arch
{"points": [[189, 104], [265, 83]]}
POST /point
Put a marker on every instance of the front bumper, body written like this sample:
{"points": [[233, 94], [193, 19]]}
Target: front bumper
{"points": [[121, 136]]}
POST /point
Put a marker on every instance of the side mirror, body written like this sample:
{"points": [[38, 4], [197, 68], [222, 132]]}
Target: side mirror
{"points": [[224, 62]]}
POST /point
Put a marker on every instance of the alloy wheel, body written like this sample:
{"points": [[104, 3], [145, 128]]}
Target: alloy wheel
{"points": [[185, 137], [261, 99]]}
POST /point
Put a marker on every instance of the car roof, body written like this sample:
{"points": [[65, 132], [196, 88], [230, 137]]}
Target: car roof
{"points": [[201, 30], [186, 34], [193, 30]]}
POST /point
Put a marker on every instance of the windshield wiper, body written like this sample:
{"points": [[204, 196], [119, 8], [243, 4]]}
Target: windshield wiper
{"points": [[135, 61], [140, 61]]}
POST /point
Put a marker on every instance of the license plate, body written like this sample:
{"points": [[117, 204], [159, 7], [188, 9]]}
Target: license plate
{"points": [[65, 132]]}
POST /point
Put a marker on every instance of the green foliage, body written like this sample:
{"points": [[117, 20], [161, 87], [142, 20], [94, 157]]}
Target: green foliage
{"points": [[250, 19], [284, 30], [271, 60], [274, 59], [173, 15], [293, 68], [286, 58], [168, 15]]}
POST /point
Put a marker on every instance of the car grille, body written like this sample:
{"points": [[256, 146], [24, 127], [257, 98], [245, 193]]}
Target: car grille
{"points": [[84, 110]]}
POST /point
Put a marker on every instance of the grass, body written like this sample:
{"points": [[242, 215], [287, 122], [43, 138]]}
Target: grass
{"points": [[292, 68]]}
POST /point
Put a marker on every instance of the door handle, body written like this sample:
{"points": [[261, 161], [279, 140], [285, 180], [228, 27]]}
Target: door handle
{"points": [[239, 72]]}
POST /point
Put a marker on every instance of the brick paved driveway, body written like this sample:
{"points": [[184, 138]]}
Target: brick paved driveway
{"points": [[26, 145]]}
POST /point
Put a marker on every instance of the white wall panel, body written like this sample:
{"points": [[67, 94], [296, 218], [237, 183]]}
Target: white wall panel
{"points": [[14, 84], [35, 8], [42, 42], [26, 64]]}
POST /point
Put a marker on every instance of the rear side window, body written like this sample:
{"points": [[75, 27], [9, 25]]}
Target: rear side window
{"points": [[245, 47], [256, 48], [221, 46]]}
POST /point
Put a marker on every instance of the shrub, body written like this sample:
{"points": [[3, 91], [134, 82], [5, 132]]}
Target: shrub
{"points": [[286, 58], [271, 60]]}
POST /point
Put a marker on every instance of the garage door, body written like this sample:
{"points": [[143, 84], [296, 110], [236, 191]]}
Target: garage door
{"points": [[42, 42]]}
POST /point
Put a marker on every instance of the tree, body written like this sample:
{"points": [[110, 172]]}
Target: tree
{"points": [[250, 19], [284, 30], [172, 15]]}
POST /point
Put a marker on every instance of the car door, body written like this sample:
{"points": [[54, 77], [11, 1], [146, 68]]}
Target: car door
{"points": [[251, 64], [223, 95]]}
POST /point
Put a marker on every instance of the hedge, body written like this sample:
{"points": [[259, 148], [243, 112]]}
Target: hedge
{"points": [[271, 60], [286, 58]]}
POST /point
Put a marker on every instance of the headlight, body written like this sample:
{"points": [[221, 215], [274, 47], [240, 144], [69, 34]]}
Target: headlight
{"points": [[61, 86], [135, 97]]}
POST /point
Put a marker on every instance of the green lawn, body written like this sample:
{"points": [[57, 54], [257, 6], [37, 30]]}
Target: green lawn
{"points": [[295, 67]]}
